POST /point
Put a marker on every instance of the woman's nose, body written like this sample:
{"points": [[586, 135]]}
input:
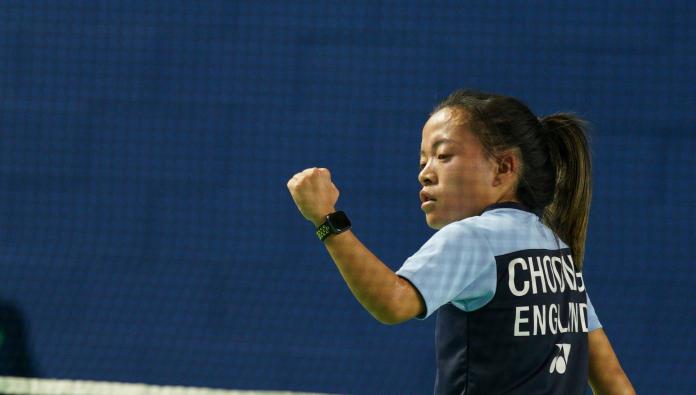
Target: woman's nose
{"points": [[426, 176]]}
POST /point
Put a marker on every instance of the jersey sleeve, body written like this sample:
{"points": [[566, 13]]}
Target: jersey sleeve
{"points": [[455, 265], [592, 319]]}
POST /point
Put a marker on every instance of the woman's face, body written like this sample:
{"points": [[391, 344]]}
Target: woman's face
{"points": [[456, 174]]}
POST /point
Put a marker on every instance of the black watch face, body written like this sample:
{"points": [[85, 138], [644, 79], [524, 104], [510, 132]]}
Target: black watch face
{"points": [[339, 220]]}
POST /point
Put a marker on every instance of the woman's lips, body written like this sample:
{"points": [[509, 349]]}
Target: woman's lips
{"points": [[424, 196], [426, 199], [427, 204]]}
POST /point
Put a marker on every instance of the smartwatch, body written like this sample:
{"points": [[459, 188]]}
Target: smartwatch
{"points": [[334, 224]]}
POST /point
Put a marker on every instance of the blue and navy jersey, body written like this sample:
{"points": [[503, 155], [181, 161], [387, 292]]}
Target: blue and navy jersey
{"points": [[513, 312]]}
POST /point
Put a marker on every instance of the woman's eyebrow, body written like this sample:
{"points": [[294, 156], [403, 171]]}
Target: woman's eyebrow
{"points": [[439, 142]]}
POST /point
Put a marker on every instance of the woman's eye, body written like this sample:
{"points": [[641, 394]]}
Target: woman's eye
{"points": [[421, 166], [443, 157]]}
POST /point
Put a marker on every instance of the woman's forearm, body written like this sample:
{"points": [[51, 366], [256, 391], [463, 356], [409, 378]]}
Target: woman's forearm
{"points": [[388, 297]]}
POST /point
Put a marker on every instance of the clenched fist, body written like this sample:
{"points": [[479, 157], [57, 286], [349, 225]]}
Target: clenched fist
{"points": [[314, 193]]}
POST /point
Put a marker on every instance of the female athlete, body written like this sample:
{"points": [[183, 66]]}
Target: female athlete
{"points": [[509, 196]]}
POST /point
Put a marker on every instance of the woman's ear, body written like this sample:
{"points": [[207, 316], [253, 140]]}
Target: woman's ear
{"points": [[507, 167]]}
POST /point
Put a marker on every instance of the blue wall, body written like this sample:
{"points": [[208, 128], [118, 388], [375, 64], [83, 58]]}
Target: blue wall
{"points": [[146, 232]]}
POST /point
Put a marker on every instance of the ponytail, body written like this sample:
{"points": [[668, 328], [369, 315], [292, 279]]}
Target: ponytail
{"points": [[568, 213]]}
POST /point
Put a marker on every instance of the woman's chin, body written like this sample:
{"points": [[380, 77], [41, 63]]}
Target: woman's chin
{"points": [[434, 222]]}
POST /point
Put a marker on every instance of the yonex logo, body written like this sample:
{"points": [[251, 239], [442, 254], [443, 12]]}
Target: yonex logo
{"points": [[560, 361]]}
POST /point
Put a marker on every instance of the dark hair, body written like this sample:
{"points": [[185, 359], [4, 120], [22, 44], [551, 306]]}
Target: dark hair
{"points": [[555, 177]]}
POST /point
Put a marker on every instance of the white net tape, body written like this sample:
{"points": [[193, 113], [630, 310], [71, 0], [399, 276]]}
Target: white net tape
{"points": [[32, 386]]}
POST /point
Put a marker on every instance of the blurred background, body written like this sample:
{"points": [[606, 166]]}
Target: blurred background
{"points": [[147, 235]]}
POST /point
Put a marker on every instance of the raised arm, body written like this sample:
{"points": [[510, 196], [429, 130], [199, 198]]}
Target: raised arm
{"points": [[388, 297], [606, 375]]}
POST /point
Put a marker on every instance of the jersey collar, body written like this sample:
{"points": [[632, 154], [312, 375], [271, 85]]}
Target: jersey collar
{"points": [[515, 205]]}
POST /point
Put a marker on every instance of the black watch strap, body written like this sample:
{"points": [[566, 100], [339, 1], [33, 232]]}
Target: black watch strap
{"points": [[324, 231]]}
